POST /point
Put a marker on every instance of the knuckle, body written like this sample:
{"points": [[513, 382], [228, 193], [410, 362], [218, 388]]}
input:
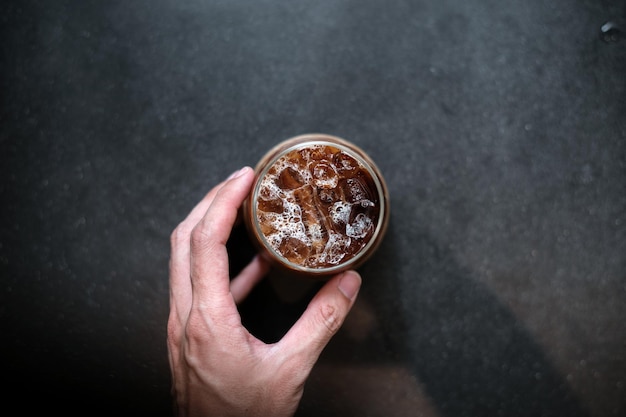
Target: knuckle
{"points": [[180, 234], [331, 317], [201, 235], [196, 330]]}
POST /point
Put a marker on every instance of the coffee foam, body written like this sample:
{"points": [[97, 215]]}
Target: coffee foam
{"points": [[340, 212], [288, 223], [359, 227]]}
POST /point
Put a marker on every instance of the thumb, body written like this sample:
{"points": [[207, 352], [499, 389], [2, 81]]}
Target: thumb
{"points": [[323, 317]]}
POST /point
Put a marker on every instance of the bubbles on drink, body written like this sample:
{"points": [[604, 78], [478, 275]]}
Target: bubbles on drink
{"points": [[360, 227], [317, 206]]}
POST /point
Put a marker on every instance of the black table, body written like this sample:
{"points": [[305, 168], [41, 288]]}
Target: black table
{"points": [[500, 128]]}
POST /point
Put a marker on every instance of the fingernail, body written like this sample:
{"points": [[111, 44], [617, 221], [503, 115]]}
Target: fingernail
{"points": [[349, 284], [237, 173]]}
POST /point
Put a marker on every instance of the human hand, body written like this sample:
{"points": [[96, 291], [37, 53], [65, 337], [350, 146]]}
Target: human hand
{"points": [[218, 367]]}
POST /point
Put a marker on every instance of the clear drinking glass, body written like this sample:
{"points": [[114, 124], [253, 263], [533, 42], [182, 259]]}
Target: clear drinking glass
{"points": [[319, 205]]}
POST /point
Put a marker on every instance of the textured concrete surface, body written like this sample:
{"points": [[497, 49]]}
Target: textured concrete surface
{"points": [[500, 127]]}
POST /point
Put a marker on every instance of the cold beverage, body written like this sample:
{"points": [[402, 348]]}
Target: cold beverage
{"points": [[318, 205]]}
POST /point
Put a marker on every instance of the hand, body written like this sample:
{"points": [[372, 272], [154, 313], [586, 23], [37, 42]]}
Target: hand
{"points": [[218, 367]]}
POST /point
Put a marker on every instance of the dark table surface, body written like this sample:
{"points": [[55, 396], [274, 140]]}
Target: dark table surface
{"points": [[500, 127]]}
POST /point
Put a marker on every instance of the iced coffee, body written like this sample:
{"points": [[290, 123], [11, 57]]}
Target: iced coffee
{"points": [[318, 205]]}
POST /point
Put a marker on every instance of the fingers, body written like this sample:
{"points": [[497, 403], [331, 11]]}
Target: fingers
{"points": [[243, 283], [209, 259], [180, 283], [179, 276], [323, 317]]}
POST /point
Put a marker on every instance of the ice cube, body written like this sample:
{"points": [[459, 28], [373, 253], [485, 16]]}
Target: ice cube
{"points": [[324, 175], [294, 249], [327, 195], [355, 190], [344, 162], [274, 205], [360, 227], [289, 179], [335, 249], [340, 212]]}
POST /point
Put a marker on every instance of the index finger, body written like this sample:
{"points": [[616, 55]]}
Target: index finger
{"points": [[180, 282], [209, 259]]}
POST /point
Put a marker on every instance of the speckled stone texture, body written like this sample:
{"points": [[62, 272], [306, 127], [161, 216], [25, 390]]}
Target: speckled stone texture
{"points": [[500, 127]]}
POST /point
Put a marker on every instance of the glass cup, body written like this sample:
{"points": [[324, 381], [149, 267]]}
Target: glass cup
{"points": [[318, 206]]}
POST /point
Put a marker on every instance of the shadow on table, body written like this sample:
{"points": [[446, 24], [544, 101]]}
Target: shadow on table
{"points": [[423, 339]]}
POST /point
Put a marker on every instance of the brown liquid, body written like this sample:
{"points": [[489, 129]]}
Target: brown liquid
{"points": [[318, 206]]}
